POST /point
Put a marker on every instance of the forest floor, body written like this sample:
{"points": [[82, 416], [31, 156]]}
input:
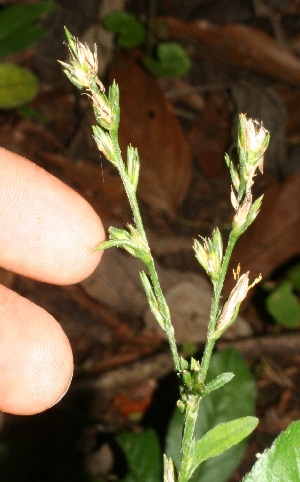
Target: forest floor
{"points": [[244, 58]]}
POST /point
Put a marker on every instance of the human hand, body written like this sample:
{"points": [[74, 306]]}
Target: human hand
{"points": [[47, 232]]}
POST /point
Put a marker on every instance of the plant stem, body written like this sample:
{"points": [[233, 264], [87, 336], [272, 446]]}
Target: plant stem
{"points": [[193, 402], [165, 313], [187, 443], [151, 266], [210, 343], [128, 188]]}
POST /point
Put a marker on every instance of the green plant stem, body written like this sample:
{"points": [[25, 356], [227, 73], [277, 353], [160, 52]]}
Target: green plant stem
{"points": [[187, 443], [151, 266], [192, 404], [128, 188], [210, 343], [165, 313]]}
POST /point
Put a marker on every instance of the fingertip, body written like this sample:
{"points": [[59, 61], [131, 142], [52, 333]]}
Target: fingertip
{"points": [[48, 231], [36, 361]]}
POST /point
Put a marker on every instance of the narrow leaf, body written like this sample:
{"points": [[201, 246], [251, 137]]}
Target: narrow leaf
{"points": [[108, 244], [221, 438], [152, 300], [219, 381]]}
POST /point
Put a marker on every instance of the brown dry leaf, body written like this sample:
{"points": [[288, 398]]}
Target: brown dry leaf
{"points": [[240, 45], [210, 135], [274, 237], [149, 123]]}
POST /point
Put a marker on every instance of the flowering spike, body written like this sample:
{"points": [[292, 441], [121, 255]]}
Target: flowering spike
{"points": [[133, 166], [253, 140], [83, 68], [210, 254], [237, 295], [82, 71], [104, 143]]}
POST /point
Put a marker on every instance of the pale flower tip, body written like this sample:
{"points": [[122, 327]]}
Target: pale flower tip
{"points": [[243, 210], [237, 295], [253, 138], [234, 200], [170, 471]]}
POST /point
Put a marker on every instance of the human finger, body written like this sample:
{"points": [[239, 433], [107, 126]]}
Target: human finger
{"points": [[47, 230], [36, 361]]}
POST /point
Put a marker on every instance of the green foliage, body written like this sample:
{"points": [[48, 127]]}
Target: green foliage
{"points": [[17, 85], [171, 60], [143, 455], [235, 399], [282, 461], [215, 435], [221, 438], [130, 32], [17, 30], [283, 303]]}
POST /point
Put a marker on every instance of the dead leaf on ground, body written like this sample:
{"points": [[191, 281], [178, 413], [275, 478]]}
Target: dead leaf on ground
{"points": [[210, 135], [242, 46], [149, 123], [274, 237]]}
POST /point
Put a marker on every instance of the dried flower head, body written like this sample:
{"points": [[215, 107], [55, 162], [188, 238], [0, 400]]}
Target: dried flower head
{"points": [[237, 295], [83, 67], [253, 140], [243, 210], [101, 108], [210, 254]]}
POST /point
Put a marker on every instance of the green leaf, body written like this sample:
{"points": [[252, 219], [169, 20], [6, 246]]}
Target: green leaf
{"points": [[152, 300], [17, 86], [130, 32], [17, 31], [283, 305], [282, 461], [172, 61], [143, 456], [219, 381], [235, 399], [221, 438]]}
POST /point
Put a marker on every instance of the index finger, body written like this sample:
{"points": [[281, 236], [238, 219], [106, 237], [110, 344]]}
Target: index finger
{"points": [[47, 230]]}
